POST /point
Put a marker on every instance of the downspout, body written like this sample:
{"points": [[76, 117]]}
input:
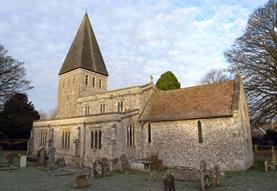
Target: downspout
{"points": [[84, 143]]}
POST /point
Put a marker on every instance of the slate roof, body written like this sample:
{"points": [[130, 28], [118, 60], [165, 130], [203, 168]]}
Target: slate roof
{"points": [[204, 101], [84, 51]]}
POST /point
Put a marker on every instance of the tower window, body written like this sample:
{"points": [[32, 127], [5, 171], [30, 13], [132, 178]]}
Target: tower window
{"points": [[86, 80], [100, 83], [200, 136], [93, 82], [149, 133], [120, 106], [86, 110], [102, 108]]}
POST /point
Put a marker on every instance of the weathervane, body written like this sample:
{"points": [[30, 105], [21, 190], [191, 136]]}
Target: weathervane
{"points": [[151, 79]]}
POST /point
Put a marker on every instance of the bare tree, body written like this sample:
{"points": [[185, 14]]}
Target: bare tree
{"points": [[254, 54], [12, 76], [215, 76]]}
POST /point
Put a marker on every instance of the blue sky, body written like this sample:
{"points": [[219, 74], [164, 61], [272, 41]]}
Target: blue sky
{"points": [[137, 38]]}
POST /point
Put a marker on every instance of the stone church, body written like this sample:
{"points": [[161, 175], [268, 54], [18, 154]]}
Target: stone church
{"points": [[183, 126]]}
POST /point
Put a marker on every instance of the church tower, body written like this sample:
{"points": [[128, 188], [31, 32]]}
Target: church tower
{"points": [[83, 72]]}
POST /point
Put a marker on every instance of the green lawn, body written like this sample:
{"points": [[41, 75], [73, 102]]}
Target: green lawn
{"points": [[33, 178]]}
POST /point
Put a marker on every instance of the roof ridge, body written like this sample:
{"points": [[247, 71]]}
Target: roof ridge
{"points": [[194, 87]]}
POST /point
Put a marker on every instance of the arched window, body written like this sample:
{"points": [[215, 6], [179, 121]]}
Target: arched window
{"points": [[95, 146], [120, 106], [65, 138], [200, 136], [43, 138], [100, 133], [86, 110], [102, 108], [100, 83], [131, 135], [96, 139], [86, 81], [91, 140], [149, 133]]}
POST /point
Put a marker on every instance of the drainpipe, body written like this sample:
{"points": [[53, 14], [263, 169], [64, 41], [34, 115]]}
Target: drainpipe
{"points": [[84, 143]]}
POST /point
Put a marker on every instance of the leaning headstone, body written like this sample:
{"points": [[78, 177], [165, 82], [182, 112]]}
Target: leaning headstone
{"points": [[205, 179], [81, 180], [41, 156], [124, 163], [97, 169], [105, 167], [51, 157], [8, 157], [169, 182], [60, 163], [153, 167], [23, 161], [216, 176]]}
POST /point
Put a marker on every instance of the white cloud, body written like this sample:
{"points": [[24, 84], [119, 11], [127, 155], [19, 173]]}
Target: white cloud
{"points": [[137, 38]]}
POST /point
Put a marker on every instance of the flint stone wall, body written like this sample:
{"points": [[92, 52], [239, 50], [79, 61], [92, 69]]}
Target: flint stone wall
{"points": [[223, 143]]}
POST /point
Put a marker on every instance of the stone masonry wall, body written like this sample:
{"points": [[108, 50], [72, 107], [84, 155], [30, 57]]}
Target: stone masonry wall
{"points": [[75, 84], [177, 143]]}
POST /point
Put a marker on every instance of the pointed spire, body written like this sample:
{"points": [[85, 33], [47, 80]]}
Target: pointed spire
{"points": [[84, 51]]}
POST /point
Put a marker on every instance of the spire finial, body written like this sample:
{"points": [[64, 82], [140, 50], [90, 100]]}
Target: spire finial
{"points": [[151, 79], [86, 10]]}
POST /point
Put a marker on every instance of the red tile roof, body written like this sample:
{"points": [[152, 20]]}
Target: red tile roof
{"points": [[205, 101]]}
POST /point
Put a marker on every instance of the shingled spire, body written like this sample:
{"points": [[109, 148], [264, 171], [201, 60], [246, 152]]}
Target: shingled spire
{"points": [[84, 51]]}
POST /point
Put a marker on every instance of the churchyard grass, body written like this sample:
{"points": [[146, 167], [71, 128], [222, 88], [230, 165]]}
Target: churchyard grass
{"points": [[33, 178]]}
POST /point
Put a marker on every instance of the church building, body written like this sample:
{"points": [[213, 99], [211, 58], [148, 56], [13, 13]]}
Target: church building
{"points": [[183, 126]]}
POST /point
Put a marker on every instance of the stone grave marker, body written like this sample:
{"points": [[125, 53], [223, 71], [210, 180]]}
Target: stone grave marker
{"points": [[41, 156], [51, 157], [124, 163], [23, 161], [60, 163], [81, 180], [168, 182]]}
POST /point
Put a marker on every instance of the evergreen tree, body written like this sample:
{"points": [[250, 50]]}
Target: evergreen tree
{"points": [[168, 81], [17, 117]]}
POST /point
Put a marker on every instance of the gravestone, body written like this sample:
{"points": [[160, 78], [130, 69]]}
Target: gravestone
{"points": [[168, 182], [124, 163], [23, 161], [216, 175], [41, 156], [8, 157], [205, 179], [60, 163], [153, 167], [97, 169], [81, 180], [51, 156], [105, 167]]}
